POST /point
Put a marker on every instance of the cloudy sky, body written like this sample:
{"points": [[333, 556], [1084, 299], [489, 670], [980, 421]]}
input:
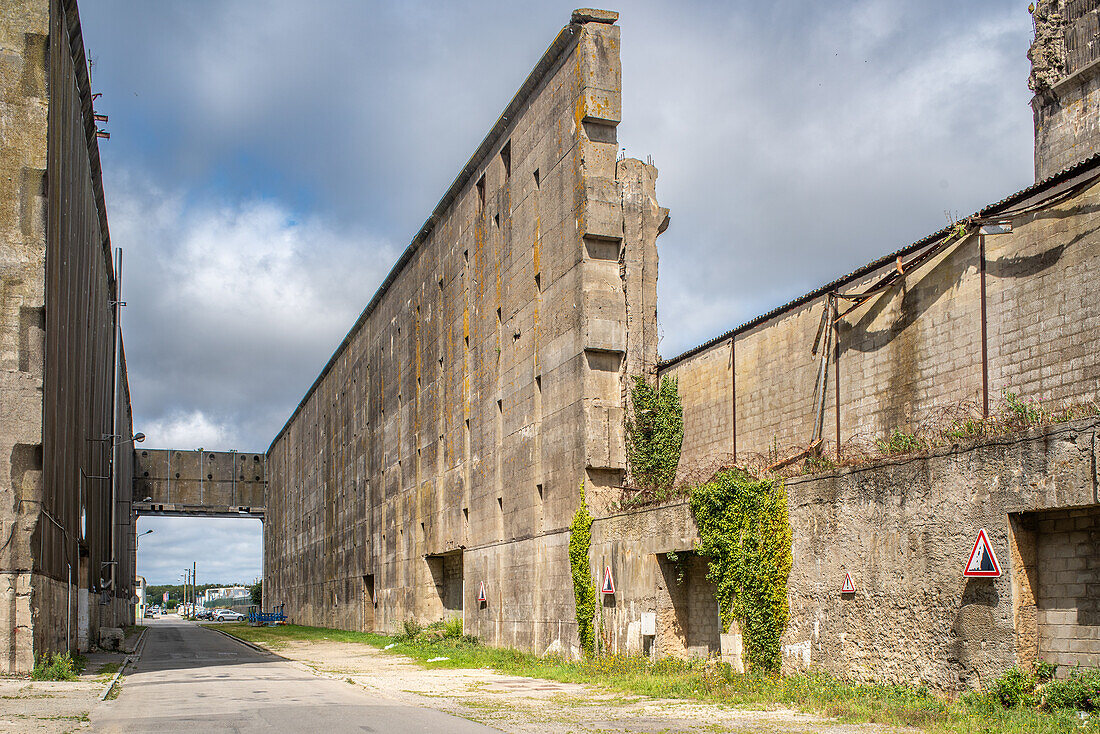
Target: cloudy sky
{"points": [[269, 160]]}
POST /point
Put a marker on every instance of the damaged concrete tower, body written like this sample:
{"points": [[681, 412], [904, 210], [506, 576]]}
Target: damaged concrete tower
{"points": [[1065, 76], [433, 467]]}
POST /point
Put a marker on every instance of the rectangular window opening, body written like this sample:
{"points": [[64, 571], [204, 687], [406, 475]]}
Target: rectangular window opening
{"points": [[506, 158], [539, 488], [496, 219], [538, 181], [538, 282], [498, 316], [500, 406], [368, 587], [500, 503], [481, 190]]}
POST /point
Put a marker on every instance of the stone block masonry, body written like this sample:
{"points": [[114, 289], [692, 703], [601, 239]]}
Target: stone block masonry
{"points": [[484, 381], [1068, 573]]}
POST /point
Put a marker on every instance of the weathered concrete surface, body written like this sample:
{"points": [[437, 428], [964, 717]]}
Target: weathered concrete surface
{"points": [[444, 444], [195, 483], [904, 529], [57, 350], [1066, 82], [24, 30]]}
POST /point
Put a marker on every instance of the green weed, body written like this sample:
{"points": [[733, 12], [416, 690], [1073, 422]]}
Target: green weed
{"points": [[57, 666]]}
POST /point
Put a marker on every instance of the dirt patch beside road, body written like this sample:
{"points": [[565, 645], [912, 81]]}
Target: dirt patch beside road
{"points": [[530, 705]]}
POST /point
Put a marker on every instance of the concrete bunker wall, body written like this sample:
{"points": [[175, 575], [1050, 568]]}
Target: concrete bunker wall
{"points": [[904, 530], [174, 481], [484, 381], [59, 578]]}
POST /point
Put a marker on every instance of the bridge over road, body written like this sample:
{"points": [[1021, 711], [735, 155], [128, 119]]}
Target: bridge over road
{"points": [[199, 483]]}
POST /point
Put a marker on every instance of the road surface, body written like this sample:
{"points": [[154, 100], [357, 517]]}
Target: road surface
{"points": [[191, 679]]}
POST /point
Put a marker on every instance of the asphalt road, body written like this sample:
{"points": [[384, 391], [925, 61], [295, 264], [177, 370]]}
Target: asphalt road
{"points": [[191, 679]]}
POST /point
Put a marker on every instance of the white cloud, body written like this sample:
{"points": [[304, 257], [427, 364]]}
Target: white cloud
{"points": [[183, 430], [225, 551], [233, 308]]}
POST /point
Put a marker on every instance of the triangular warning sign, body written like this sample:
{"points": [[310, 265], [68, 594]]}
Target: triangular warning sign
{"points": [[982, 561], [848, 587], [608, 581], [481, 592]]}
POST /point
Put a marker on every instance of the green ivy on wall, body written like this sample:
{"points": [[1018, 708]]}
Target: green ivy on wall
{"points": [[584, 590], [745, 532], [654, 434]]}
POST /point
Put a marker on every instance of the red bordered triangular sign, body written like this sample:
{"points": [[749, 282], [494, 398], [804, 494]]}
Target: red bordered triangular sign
{"points": [[481, 592], [982, 561], [608, 581], [848, 587]]}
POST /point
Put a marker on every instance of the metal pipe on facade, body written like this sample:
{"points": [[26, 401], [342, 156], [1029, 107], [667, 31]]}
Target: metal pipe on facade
{"points": [[116, 444], [733, 396], [985, 342], [836, 382]]}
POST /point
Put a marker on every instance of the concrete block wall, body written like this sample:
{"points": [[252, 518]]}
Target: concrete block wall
{"points": [[904, 530], [1068, 604], [485, 380], [910, 358]]}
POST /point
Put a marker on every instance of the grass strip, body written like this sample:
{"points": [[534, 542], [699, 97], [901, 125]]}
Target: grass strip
{"points": [[816, 693]]}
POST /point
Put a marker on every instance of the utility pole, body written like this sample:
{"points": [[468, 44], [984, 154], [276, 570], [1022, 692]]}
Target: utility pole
{"points": [[194, 597]]}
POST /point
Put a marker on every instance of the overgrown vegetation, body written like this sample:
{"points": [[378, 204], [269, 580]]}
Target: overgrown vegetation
{"points": [[745, 533], [584, 589], [654, 435], [892, 705], [1039, 689], [445, 629], [256, 592], [58, 666]]}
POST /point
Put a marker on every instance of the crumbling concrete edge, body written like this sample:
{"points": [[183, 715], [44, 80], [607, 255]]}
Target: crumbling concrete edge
{"points": [[130, 659]]}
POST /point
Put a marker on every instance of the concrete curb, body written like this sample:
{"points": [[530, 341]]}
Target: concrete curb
{"points": [[246, 643], [133, 658]]}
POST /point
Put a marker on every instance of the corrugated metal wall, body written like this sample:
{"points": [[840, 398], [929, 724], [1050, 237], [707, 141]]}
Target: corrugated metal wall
{"points": [[80, 326]]}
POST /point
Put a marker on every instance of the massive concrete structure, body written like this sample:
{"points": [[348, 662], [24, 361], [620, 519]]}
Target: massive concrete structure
{"points": [[199, 483], [66, 560], [433, 467], [441, 451]]}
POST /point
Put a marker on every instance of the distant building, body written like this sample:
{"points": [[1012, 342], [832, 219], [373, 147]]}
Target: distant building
{"points": [[223, 592]]}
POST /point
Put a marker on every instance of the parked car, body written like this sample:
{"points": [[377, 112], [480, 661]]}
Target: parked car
{"points": [[205, 614], [228, 615], [150, 613]]}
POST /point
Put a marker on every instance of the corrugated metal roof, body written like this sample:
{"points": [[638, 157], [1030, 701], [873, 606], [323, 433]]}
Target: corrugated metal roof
{"points": [[1038, 187]]}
